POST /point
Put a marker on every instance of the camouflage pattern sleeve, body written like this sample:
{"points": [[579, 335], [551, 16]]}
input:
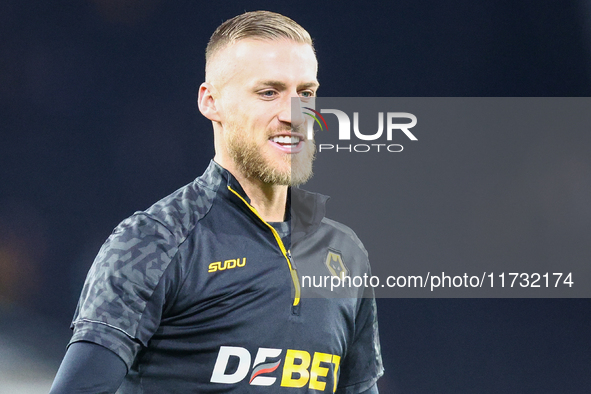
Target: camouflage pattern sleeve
{"points": [[122, 300]]}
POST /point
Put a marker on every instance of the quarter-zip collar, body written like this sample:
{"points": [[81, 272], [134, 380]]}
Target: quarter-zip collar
{"points": [[305, 208], [221, 180], [307, 211]]}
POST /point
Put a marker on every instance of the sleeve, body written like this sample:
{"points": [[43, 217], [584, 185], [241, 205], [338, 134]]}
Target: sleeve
{"points": [[126, 288], [372, 390], [89, 368], [362, 365]]}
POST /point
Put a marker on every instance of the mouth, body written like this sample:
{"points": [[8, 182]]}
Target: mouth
{"points": [[287, 143]]}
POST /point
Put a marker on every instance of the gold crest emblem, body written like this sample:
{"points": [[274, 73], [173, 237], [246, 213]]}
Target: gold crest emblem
{"points": [[335, 264]]}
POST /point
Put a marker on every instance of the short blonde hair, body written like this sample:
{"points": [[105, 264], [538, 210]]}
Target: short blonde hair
{"points": [[263, 25]]}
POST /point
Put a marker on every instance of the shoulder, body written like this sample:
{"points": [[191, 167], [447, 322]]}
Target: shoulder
{"points": [[342, 231], [180, 211], [141, 248], [136, 258]]}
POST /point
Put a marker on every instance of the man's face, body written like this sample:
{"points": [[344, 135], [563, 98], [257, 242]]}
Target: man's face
{"points": [[262, 137]]}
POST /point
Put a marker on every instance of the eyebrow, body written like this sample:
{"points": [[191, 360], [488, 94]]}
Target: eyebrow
{"points": [[282, 86]]}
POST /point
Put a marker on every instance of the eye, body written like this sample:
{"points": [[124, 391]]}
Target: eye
{"points": [[268, 93], [307, 94]]}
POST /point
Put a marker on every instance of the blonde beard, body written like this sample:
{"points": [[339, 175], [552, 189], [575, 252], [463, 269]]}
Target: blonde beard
{"points": [[247, 156]]}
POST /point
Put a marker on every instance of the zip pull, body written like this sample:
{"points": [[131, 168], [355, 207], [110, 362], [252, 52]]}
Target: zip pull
{"points": [[295, 307]]}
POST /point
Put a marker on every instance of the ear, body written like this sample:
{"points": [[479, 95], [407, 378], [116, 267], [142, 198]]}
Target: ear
{"points": [[208, 95]]}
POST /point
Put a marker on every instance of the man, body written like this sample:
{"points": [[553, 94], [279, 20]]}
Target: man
{"points": [[200, 293]]}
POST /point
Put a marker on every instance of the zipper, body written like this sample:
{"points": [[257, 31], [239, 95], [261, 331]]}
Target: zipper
{"points": [[286, 253]]}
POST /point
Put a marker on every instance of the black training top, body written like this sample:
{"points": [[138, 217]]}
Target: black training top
{"points": [[200, 294]]}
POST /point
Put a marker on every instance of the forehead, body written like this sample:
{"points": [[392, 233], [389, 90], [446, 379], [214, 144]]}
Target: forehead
{"points": [[282, 59]]}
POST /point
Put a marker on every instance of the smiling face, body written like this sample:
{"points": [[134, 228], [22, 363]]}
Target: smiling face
{"points": [[256, 133]]}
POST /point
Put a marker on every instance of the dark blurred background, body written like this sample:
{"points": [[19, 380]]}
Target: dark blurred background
{"points": [[99, 119]]}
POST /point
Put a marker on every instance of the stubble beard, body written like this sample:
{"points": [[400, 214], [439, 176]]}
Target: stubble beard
{"points": [[247, 156]]}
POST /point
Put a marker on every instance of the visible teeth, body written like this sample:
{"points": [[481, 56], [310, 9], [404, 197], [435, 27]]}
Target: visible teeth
{"points": [[285, 140]]}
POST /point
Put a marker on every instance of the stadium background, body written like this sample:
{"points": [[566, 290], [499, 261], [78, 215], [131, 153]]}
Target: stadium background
{"points": [[99, 119]]}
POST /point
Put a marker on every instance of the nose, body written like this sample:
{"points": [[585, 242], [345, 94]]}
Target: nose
{"points": [[292, 112], [297, 116]]}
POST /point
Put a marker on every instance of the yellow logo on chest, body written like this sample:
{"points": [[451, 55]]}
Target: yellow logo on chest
{"points": [[226, 264]]}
